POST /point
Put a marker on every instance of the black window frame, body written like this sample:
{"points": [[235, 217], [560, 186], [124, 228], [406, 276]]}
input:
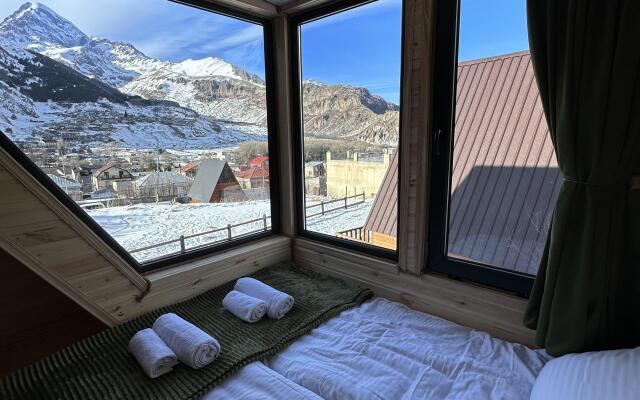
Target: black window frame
{"points": [[296, 21], [444, 90], [203, 250]]}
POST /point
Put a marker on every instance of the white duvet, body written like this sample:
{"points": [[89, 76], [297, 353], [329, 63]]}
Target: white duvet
{"points": [[384, 350]]}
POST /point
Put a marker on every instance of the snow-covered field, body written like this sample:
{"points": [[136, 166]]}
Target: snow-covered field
{"points": [[143, 225]]}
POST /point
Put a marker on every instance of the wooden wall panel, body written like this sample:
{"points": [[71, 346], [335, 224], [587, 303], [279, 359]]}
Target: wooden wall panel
{"points": [[39, 237], [36, 318], [478, 307]]}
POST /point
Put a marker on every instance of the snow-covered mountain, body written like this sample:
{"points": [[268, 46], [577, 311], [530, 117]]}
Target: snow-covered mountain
{"points": [[210, 90], [44, 98], [209, 86]]}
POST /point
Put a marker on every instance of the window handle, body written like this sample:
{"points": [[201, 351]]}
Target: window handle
{"points": [[437, 135]]}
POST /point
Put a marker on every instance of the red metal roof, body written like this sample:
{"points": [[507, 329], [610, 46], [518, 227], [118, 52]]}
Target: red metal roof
{"points": [[383, 216], [190, 165], [253, 173], [505, 176], [259, 161]]}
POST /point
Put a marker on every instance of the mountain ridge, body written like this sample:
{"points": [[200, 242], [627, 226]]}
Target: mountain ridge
{"points": [[210, 86]]}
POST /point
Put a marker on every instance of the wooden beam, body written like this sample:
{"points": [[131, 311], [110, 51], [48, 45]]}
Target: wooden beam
{"points": [[282, 49], [259, 8], [297, 6], [40, 193], [415, 134]]}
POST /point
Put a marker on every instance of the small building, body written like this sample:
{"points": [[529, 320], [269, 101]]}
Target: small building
{"points": [[84, 176], [105, 176], [71, 187], [260, 161], [162, 185], [358, 173], [313, 169], [254, 177], [190, 169], [315, 180], [215, 183]]}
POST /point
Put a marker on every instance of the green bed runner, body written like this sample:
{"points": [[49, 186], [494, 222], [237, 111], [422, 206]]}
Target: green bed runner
{"points": [[100, 367]]}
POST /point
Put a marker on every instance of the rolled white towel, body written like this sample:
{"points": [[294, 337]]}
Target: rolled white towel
{"points": [[153, 355], [278, 303], [192, 345], [245, 307]]}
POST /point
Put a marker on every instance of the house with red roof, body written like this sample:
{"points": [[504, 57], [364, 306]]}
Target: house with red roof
{"points": [[260, 161], [253, 177]]}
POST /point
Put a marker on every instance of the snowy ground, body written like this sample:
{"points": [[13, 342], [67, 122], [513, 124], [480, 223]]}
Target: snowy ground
{"points": [[142, 225]]}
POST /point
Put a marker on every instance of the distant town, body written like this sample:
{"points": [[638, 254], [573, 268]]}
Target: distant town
{"points": [[107, 175]]}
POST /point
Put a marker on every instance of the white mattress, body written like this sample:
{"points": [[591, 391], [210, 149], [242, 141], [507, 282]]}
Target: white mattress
{"points": [[384, 350]]}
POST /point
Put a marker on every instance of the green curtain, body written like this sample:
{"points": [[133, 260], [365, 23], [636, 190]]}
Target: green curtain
{"points": [[586, 57]]}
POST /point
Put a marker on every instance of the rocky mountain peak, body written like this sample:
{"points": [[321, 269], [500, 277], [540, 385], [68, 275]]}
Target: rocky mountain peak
{"points": [[39, 27]]}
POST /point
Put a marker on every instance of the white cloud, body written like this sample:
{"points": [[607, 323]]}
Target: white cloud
{"points": [[376, 7], [159, 28]]}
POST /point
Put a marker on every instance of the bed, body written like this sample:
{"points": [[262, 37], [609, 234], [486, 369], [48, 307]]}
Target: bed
{"points": [[384, 350], [336, 343]]}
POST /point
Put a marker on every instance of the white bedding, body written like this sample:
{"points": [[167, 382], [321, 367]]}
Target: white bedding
{"points": [[384, 350], [257, 382]]}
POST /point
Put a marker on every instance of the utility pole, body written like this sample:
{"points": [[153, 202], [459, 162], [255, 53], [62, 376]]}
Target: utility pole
{"points": [[158, 175]]}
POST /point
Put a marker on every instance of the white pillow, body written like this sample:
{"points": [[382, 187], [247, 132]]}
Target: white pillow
{"points": [[598, 375]]}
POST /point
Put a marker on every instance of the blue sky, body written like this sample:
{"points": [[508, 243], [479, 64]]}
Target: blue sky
{"points": [[360, 47], [162, 29], [492, 27]]}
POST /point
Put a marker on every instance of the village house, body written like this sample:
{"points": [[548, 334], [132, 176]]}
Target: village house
{"points": [[85, 177], [190, 169], [315, 178], [215, 183], [253, 177], [105, 177], [260, 161], [71, 187], [162, 186]]}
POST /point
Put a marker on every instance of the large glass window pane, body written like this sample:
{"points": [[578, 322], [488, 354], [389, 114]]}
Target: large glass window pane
{"points": [[504, 179], [350, 69], [150, 115]]}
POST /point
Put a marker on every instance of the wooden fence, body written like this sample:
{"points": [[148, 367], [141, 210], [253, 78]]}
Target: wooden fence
{"points": [[344, 201], [229, 236], [345, 204]]}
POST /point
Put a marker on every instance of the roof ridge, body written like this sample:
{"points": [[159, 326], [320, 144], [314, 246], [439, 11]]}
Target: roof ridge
{"points": [[495, 58]]}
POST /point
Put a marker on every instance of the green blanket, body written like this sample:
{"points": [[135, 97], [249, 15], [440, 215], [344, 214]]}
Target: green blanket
{"points": [[100, 367]]}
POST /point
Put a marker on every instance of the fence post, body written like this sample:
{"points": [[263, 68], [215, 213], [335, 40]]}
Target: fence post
{"points": [[229, 231], [182, 246], [264, 220], [322, 206]]}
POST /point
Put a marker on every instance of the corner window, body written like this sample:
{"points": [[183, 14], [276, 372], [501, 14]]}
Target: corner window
{"points": [[348, 109], [150, 119], [495, 176]]}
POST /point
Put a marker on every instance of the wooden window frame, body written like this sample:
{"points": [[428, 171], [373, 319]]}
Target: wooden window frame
{"points": [[445, 73], [272, 128], [295, 22]]}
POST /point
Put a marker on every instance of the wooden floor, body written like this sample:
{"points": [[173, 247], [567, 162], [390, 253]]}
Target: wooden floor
{"points": [[36, 319]]}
